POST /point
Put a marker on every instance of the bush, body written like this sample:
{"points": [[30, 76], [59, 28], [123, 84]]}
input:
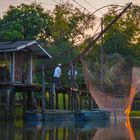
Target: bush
{"points": [[135, 114]]}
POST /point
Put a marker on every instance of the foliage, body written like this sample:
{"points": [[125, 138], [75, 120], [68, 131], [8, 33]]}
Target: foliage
{"points": [[23, 22], [123, 36], [69, 22], [121, 47], [135, 113]]}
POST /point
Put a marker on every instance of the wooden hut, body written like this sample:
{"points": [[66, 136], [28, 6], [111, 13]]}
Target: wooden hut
{"points": [[16, 73], [17, 57]]}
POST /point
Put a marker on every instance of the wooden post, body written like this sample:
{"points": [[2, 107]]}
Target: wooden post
{"points": [[29, 69], [70, 134], [72, 100], [51, 134], [12, 104], [75, 101], [81, 103], [64, 133], [69, 101], [43, 134], [89, 102], [7, 104], [43, 92], [52, 94], [12, 67], [57, 106], [64, 101], [56, 134], [24, 104], [101, 58], [29, 101], [31, 104]]}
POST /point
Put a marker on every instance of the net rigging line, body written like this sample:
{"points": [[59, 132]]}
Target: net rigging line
{"points": [[47, 3], [92, 40], [109, 5], [81, 6], [94, 35], [90, 45], [91, 5]]}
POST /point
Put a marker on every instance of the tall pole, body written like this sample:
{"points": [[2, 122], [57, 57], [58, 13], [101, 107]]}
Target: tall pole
{"points": [[101, 58], [43, 92], [12, 67]]}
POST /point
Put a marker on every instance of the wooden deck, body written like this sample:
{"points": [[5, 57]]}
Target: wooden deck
{"points": [[8, 92], [20, 87], [65, 115]]}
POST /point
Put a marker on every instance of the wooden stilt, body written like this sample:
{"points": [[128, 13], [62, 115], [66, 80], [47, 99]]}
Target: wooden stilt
{"points": [[34, 103], [51, 101], [29, 101], [24, 105], [11, 105], [50, 92], [52, 97], [70, 134], [69, 101], [81, 102], [89, 102], [57, 102], [51, 135], [56, 134], [43, 92], [43, 134], [64, 101], [75, 102], [72, 101], [7, 104], [64, 133]]}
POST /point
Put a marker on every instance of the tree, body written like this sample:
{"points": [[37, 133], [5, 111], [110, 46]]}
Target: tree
{"points": [[124, 35], [69, 23], [24, 22]]}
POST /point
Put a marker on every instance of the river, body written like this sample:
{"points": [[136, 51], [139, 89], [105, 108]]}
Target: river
{"points": [[113, 130]]}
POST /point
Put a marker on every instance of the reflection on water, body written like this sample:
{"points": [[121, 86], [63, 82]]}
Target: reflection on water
{"points": [[119, 130]]}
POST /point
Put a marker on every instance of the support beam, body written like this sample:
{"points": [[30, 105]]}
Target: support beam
{"points": [[43, 92], [29, 69], [12, 67], [101, 59]]}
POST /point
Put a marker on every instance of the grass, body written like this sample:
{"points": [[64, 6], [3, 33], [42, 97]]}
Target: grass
{"points": [[135, 114]]}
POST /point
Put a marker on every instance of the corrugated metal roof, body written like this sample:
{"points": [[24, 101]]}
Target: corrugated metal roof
{"points": [[31, 46]]}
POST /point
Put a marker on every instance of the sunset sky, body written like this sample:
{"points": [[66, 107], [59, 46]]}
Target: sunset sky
{"points": [[90, 5]]}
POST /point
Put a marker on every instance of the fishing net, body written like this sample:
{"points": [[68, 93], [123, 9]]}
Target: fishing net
{"points": [[119, 85]]}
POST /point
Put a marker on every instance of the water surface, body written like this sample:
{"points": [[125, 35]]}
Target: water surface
{"points": [[119, 130]]}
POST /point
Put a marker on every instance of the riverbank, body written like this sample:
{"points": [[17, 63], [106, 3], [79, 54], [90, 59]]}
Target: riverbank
{"points": [[135, 114]]}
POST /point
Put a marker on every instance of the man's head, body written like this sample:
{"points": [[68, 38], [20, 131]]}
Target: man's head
{"points": [[59, 65]]}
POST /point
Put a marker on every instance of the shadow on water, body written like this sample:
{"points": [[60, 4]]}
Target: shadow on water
{"points": [[121, 130]]}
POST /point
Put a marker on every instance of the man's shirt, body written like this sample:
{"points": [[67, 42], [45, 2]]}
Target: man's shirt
{"points": [[57, 72]]}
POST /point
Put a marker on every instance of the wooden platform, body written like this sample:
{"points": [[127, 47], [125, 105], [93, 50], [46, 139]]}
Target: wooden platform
{"points": [[19, 87], [64, 115]]}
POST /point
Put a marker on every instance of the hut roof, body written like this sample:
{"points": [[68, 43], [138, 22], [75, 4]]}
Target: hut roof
{"points": [[26, 46]]}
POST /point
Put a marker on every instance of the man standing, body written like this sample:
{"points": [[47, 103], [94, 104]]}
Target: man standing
{"points": [[57, 76]]}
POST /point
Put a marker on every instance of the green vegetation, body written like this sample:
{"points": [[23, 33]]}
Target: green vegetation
{"points": [[19, 113], [135, 114], [60, 29]]}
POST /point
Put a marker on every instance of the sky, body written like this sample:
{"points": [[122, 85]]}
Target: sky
{"points": [[89, 5]]}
